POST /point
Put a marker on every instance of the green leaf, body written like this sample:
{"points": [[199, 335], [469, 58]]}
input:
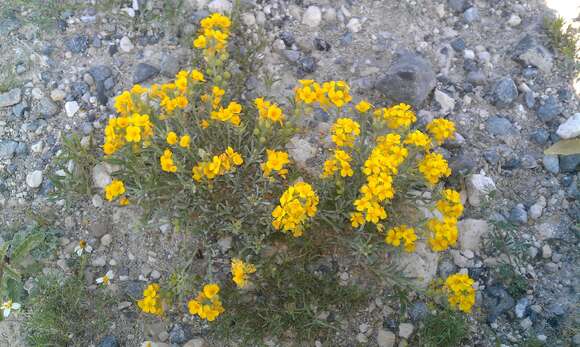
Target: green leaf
{"points": [[12, 273], [564, 147], [30, 242], [3, 250]]}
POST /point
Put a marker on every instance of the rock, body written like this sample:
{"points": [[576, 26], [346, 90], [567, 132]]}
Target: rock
{"points": [[540, 136], [321, 45], [569, 163], [537, 208], [471, 15], [471, 232], [77, 90], [225, 243], [469, 55], [446, 102], [34, 179], [178, 334], [249, 19], [71, 108], [354, 25], [409, 79], [169, 66], [529, 52], [11, 97], [306, 65], [106, 240], [526, 324], [420, 265], [446, 268], [221, 6], [19, 109], [126, 45], [418, 311], [570, 128], [57, 95], [8, 23], [514, 20], [143, 72], [505, 92], [549, 110], [197, 342], [99, 261], [46, 107], [100, 72], [499, 126], [458, 6], [8, 149], [108, 341], [546, 251], [497, 301], [312, 16], [478, 187], [77, 43], [458, 44], [406, 330], [530, 99], [476, 77], [155, 275], [300, 150], [518, 215], [101, 176], [385, 338], [521, 306], [288, 38], [551, 163], [133, 289]]}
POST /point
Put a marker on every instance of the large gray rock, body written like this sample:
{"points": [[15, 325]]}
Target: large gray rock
{"points": [[11, 97], [7, 149], [47, 108], [409, 79], [478, 188], [529, 52], [420, 265], [143, 72], [499, 126], [505, 92], [471, 232]]}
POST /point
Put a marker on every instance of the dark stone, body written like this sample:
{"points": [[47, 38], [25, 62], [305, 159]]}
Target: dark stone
{"points": [[446, 268], [8, 149], [19, 109], [549, 110], [418, 311], [346, 39], [179, 334], [530, 72], [540, 136], [499, 126], [505, 92], [47, 108], [291, 55], [409, 79], [143, 72], [100, 72], [77, 43], [21, 149], [321, 45], [471, 15], [463, 164], [497, 301], [518, 215], [512, 164], [567, 180], [306, 65], [458, 44], [569, 163], [530, 100], [476, 77], [47, 50], [62, 25], [109, 341], [288, 38], [169, 66], [491, 156], [470, 65], [133, 289], [97, 43], [565, 94], [475, 272], [113, 49], [529, 52], [458, 6], [78, 89]]}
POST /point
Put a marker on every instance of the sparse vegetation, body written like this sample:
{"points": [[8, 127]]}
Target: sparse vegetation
{"points": [[445, 328], [564, 37]]}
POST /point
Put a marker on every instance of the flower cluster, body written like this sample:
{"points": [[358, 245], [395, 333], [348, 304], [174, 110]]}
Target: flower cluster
{"points": [[441, 129], [344, 132], [335, 93], [207, 304], [269, 111], [363, 106], [339, 161], [434, 167], [230, 114], [151, 302], [173, 139], [240, 272], [443, 233], [277, 160], [450, 204], [418, 139], [297, 203], [114, 189], [218, 166], [397, 116], [379, 168], [125, 129], [461, 293], [402, 235], [215, 33], [166, 161]]}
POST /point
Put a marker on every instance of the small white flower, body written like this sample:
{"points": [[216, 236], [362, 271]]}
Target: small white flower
{"points": [[83, 246], [8, 306], [106, 280]]}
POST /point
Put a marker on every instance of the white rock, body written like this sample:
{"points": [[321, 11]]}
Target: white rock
{"points": [[155, 275], [225, 243], [478, 187], [71, 108], [249, 19], [34, 179], [197, 342], [312, 16], [329, 15], [101, 176], [99, 261], [405, 330], [126, 45], [470, 233], [301, 150], [421, 264], [106, 240], [570, 128], [514, 20], [385, 338], [97, 201], [354, 25], [469, 54], [546, 251], [37, 147], [537, 208], [57, 95], [221, 6], [445, 101]]}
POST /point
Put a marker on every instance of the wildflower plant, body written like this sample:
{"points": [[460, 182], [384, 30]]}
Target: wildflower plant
{"points": [[217, 163]]}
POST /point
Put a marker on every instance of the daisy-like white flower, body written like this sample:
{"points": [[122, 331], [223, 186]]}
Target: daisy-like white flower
{"points": [[8, 307], [106, 280], [82, 247]]}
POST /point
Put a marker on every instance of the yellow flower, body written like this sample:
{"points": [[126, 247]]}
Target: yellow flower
{"points": [[133, 134], [204, 124], [298, 203], [461, 293], [171, 138], [418, 139], [434, 167], [114, 189], [401, 234], [200, 42], [276, 160], [450, 205], [357, 219], [398, 116], [184, 141], [344, 132], [124, 201], [196, 75], [363, 106], [151, 302], [441, 129], [240, 271], [210, 290], [166, 161]]}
